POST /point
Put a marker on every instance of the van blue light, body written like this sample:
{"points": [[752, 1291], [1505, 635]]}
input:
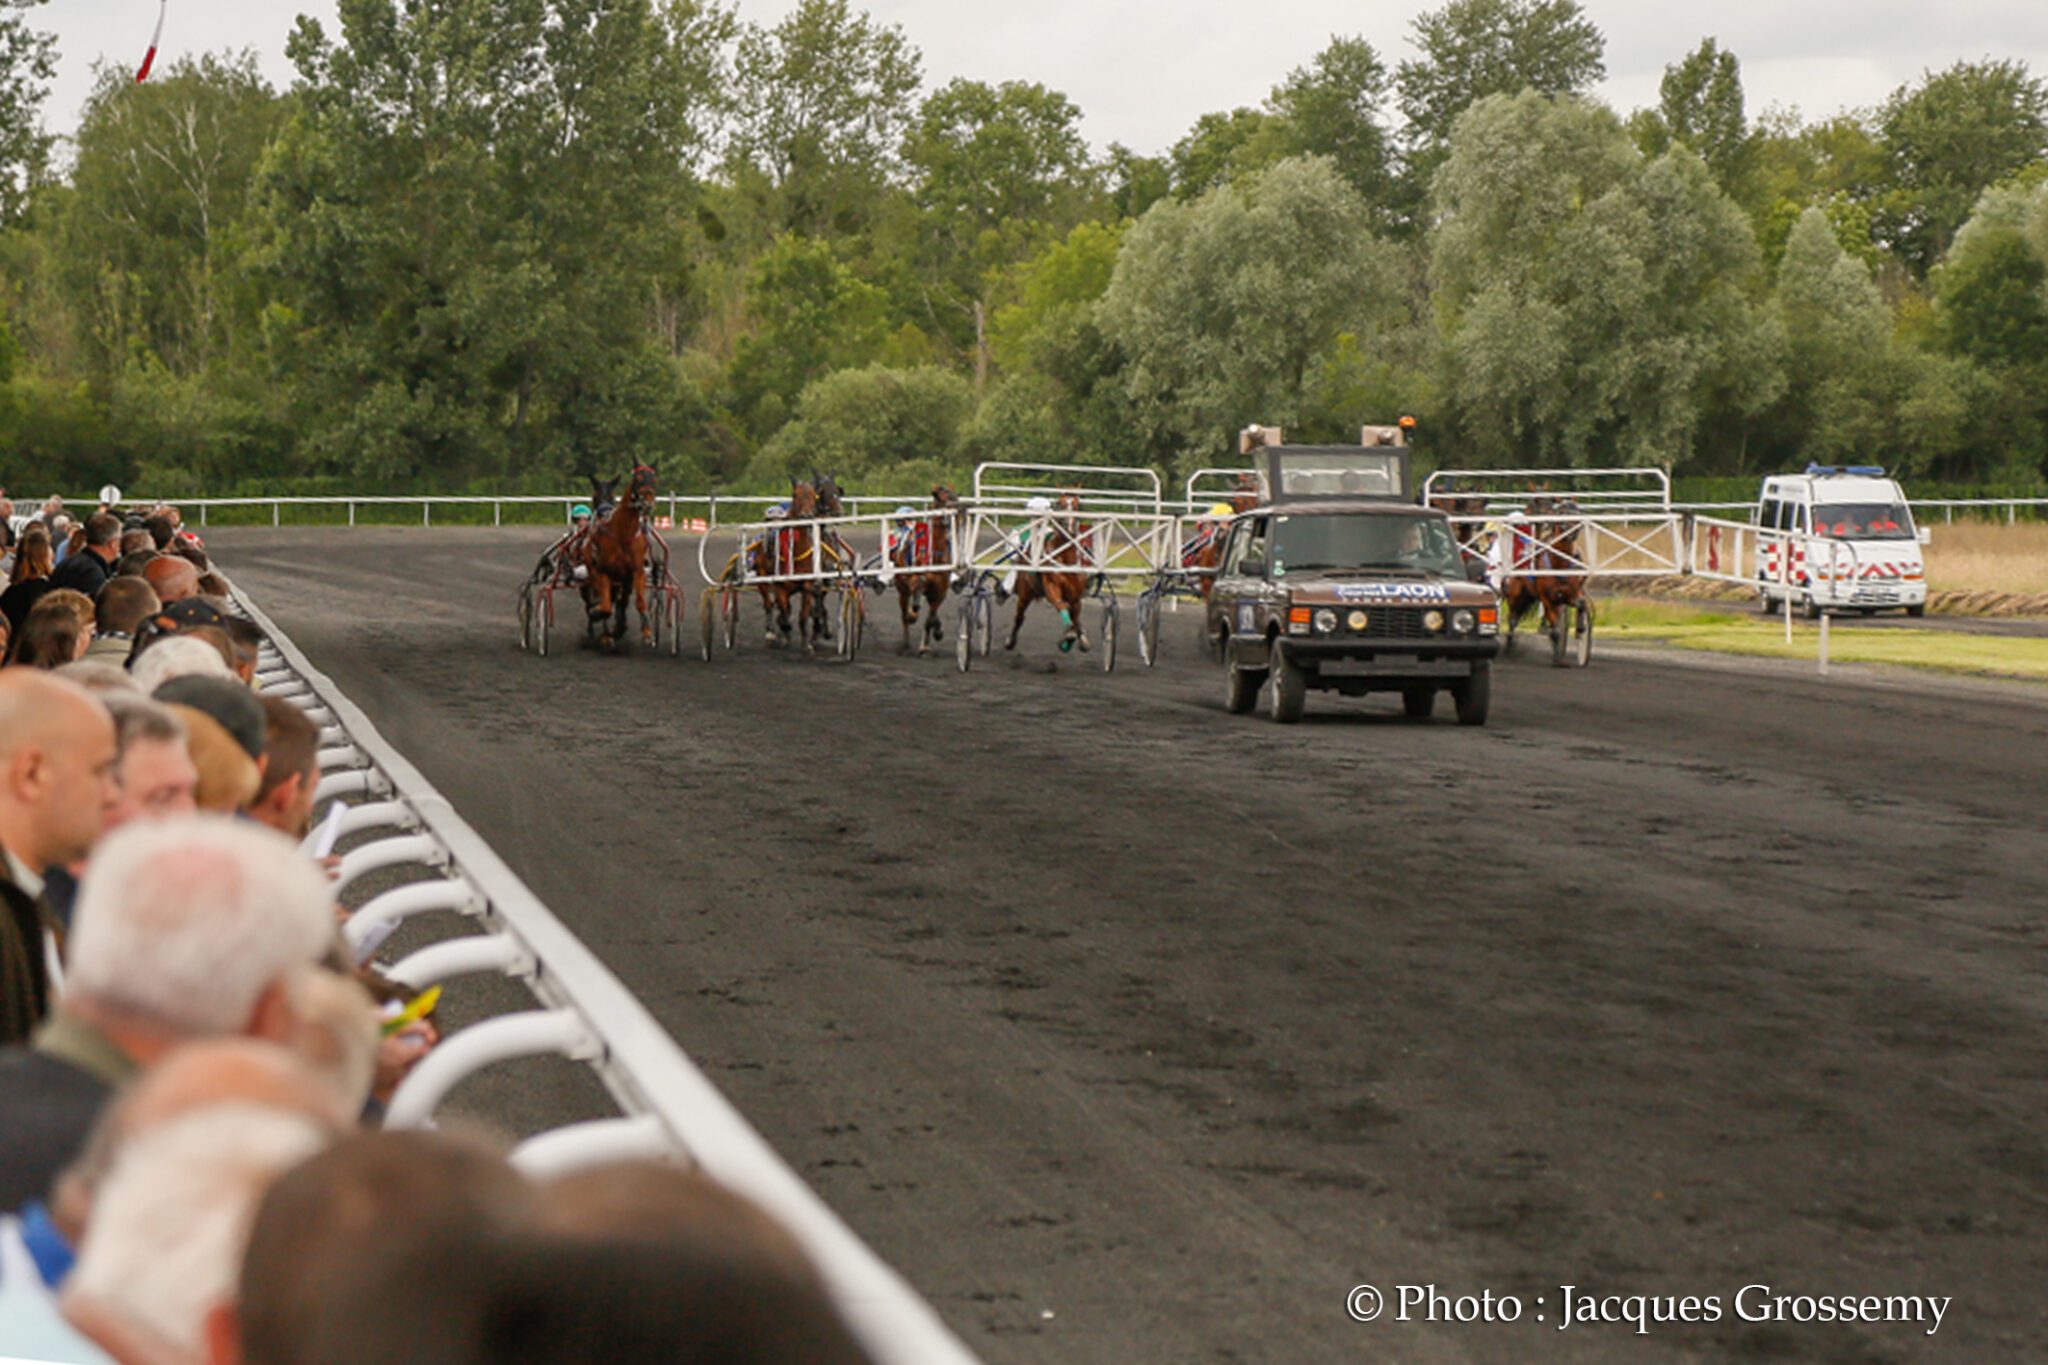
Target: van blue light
{"points": [[1869, 471]]}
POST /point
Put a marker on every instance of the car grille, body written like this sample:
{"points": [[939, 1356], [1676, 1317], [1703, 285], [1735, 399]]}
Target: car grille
{"points": [[1388, 623]]}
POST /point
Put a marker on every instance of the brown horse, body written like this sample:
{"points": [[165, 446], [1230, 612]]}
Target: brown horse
{"points": [[1204, 550], [1543, 568], [925, 543], [613, 555], [785, 552], [1061, 544], [1466, 511]]}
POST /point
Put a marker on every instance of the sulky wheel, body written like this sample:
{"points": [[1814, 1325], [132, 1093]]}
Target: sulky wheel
{"points": [[853, 617], [526, 617], [1148, 628], [543, 621], [984, 623], [672, 608], [963, 635], [707, 619], [1582, 635], [729, 616], [1109, 621]]}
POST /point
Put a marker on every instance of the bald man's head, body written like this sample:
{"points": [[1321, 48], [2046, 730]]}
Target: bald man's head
{"points": [[195, 1076], [174, 579], [57, 755]]}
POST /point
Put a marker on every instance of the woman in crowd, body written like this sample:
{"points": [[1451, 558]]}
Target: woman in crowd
{"points": [[32, 565], [57, 631]]}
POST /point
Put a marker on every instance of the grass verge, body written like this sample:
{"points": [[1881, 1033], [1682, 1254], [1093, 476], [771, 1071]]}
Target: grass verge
{"points": [[1625, 621]]}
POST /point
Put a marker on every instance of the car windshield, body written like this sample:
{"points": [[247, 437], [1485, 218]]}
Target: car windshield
{"points": [[1862, 521], [1306, 544]]}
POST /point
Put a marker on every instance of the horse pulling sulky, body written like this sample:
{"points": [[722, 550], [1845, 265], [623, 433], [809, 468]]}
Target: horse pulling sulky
{"points": [[798, 556], [612, 557]]}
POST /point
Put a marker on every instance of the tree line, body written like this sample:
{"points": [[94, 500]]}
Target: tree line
{"points": [[495, 243]]}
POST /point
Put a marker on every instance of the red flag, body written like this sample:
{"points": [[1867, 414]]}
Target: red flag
{"points": [[149, 59]]}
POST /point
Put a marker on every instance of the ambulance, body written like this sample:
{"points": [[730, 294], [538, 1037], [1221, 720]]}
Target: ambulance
{"points": [[1845, 541]]}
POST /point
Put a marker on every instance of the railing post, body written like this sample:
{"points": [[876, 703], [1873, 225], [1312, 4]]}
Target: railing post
{"points": [[426, 513], [351, 514], [497, 513], [277, 514], [711, 517]]}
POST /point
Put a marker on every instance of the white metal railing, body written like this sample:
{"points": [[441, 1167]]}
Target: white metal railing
{"points": [[1114, 544], [668, 1108], [1134, 486]]}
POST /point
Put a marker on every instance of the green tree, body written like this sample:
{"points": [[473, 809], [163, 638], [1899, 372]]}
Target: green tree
{"points": [[465, 224], [1700, 104], [1475, 48], [873, 426], [811, 315], [1132, 182], [1224, 306], [1947, 140], [1595, 307], [155, 223], [28, 61], [1989, 295], [1212, 151], [1331, 108], [1841, 367], [822, 102], [1000, 170]]}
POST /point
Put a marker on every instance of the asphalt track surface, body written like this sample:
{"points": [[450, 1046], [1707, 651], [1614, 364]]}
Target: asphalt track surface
{"points": [[1133, 1031]]}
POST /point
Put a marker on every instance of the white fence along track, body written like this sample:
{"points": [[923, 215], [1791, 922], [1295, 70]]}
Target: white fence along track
{"points": [[668, 1108]]}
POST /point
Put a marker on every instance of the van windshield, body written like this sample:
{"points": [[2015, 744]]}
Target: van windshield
{"points": [[1862, 521]]}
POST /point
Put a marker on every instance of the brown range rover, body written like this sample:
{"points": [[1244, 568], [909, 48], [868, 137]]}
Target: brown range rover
{"points": [[1349, 594]]}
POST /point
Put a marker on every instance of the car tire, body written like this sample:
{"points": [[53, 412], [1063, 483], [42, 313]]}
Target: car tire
{"points": [[1917, 610], [1810, 609], [1474, 696], [1418, 700], [1290, 688], [1241, 688]]}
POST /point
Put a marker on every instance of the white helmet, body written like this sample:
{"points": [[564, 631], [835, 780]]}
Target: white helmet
{"points": [[904, 512], [1039, 504], [777, 513]]}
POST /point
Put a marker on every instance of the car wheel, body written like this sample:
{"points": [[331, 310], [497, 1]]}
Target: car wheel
{"points": [[1418, 700], [1474, 695], [1917, 610], [1241, 688], [1290, 687]]}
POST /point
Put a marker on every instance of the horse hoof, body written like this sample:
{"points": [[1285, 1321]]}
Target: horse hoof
{"points": [[1084, 645], [1066, 646]]}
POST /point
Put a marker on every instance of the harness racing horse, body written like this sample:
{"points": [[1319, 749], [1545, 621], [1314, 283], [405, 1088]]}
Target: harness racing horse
{"points": [[1064, 591], [1544, 568], [925, 543], [1204, 551], [1466, 511], [790, 553], [613, 555]]}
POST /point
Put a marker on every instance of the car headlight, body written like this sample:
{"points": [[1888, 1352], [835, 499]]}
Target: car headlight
{"points": [[1463, 620], [1326, 621], [1356, 620], [1432, 621]]}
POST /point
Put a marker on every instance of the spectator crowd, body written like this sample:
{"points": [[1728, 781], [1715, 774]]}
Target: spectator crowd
{"points": [[193, 1064]]}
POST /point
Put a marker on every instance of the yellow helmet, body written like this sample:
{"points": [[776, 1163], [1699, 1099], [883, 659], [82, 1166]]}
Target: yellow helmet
{"points": [[1222, 509]]}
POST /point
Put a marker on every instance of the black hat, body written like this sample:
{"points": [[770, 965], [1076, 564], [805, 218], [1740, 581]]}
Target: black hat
{"points": [[232, 704]]}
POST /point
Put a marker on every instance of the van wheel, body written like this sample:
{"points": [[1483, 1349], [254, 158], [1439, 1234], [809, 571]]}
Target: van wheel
{"points": [[1917, 610], [1811, 609], [1418, 700], [1768, 605]]}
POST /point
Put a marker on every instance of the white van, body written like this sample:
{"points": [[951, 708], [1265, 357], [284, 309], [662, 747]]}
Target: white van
{"points": [[1850, 538]]}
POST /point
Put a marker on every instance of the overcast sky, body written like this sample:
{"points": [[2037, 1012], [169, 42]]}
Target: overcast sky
{"points": [[1142, 70]]}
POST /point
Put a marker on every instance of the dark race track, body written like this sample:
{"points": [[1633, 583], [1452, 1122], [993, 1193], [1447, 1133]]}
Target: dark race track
{"points": [[1131, 1031]]}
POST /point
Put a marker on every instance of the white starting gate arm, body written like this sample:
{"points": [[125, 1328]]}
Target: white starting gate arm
{"points": [[1113, 544]]}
